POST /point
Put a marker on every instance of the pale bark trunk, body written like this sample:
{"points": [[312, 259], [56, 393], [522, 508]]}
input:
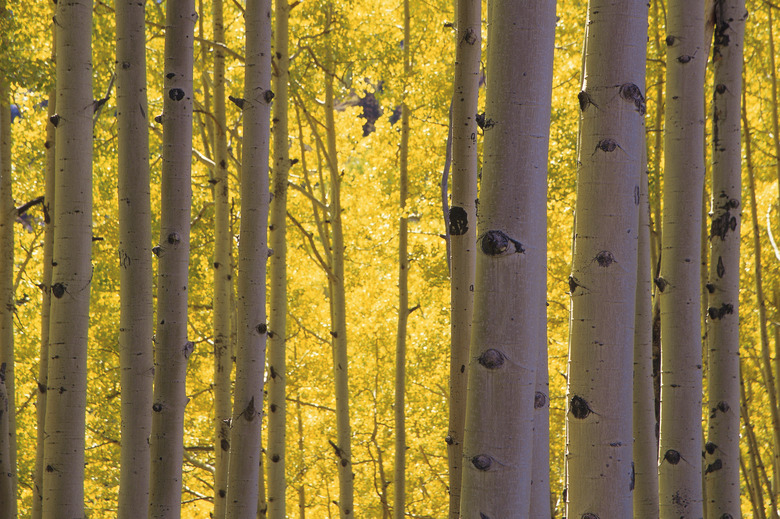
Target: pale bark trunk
{"points": [[7, 308], [722, 447], [135, 260], [600, 473], [645, 441], [63, 478], [338, 301], [399, 472], [462, 228], [509, 324], [245, 451], [172, 347], [43, 363], [223, 271], [680, 471], [277, 336]]}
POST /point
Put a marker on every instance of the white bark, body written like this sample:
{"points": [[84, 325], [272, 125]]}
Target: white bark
{"points": [[172, 347], [509, 324], [680, 446], [599, 471]]}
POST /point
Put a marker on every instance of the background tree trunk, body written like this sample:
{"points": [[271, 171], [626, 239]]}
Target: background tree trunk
{"points": [[63, 478], [599, 469], [722, 447], [680, 481], [462, 227], [173, 349], [135, 259], [277, 335]]}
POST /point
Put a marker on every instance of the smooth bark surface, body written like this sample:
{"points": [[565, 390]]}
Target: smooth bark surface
{"points": [[509, 324], [63, 477], [680, 471], [462, 227], [135, 259], [245, 449], [599, 468], [173, 348], [722, 447]]}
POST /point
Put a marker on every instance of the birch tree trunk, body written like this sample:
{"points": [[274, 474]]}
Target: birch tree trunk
{"points": [[172, 347], [135, 259], [509, 324], [277, 335], [722, 447], [680, 477], [462, 227], [600, 473], [7, 307], [645, 453], [245, 448], [223, 274], [43, 363], [399, 476], [63, 478]]}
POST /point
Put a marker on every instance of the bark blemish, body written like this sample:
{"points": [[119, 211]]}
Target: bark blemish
{"points": [[670, 41], [588, 515], [177, 94], [470, 36], [631, 93], [261, 328], [661, 283], [491, 359], [721, 268], [249, 413], [482, 462], [157, 407], [719, 313], [459, 221], [173, 238], [268, 95], [715, 465], [672, 456], [188, 348], [720, 88], [710, 447], [579, 407], [449, 440], [585, 100], [224, 444], [540, 399], [607, 146], [495, 243], [632, 481], [239, 102], [685, 58], [484, 122], [58, 290], [605, 258]]}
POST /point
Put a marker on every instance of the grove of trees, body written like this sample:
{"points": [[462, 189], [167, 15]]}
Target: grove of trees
{"points": [[348, 258]]}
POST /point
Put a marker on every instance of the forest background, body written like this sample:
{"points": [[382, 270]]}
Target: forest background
{"points": [[367, 43]]}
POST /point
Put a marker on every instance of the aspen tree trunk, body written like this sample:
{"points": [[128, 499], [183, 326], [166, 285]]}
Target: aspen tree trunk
{"points": [[7, 308], [343, 447], [172, 347], [722, 446], [135, 259], [63, 478], [223, 274], [680, 476], [399, 474], [245, 448], [509, 325], [277, 336], [43, 363], [645, 499], [599, 480], [462, 227]]}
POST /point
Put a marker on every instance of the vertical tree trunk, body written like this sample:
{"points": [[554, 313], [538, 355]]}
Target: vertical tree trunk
{"points": [[43, 363], [7, 307], [645, 498], [63, 478], [277, 335], [462, 227], [223, 274], [399, 474], [509, 324], [245, 448], [680, 476], [599, 467], [338, 298], [172, 347], [722, 447], [135, 259]]}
